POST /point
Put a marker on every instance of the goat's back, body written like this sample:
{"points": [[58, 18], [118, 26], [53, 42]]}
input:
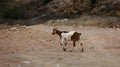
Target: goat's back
{"points": [[68, 35]]}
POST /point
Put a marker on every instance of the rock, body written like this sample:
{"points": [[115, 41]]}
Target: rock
{"points": [[13, 29], [26, 62]]}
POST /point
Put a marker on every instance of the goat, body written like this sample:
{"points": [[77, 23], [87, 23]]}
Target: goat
{"points": [[67, 36]]}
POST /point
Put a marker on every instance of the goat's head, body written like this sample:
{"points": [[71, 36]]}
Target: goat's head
{"points": [[54, 31]]}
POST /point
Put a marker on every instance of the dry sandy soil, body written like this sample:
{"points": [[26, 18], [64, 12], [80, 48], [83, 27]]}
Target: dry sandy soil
{"points": [[35, 46]]}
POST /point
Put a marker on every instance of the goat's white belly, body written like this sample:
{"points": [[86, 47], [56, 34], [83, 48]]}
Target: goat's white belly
{"points": [[67, 36]]}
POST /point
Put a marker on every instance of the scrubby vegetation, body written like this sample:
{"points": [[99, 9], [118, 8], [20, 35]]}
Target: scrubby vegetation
{"points": [[18, 9], [57, 9], [15, 10]]}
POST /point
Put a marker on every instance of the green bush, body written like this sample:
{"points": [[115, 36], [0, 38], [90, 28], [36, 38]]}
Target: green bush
{"points": [[14, 13], [12, 10]]}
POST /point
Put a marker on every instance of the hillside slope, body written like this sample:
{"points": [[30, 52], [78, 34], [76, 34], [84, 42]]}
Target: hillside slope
{"points": [[58, 8]]}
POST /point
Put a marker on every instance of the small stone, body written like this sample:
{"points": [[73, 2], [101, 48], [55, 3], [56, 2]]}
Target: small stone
{"points": [[27, 62]]}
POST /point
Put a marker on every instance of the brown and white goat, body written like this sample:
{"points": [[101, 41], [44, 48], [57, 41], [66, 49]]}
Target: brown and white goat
{"points": [[67, 36]]}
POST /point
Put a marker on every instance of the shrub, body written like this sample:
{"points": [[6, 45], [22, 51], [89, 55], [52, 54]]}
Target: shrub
{"points": [[14, 13], [13, 10]]}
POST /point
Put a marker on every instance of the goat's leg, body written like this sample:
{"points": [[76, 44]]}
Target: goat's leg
{"points": [[82, 47], [65, 43], [64, 48], [81, 44], [73, 46], [62, 41]]}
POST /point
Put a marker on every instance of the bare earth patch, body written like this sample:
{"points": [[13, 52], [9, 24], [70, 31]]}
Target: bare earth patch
{"points": [[35, 46]]}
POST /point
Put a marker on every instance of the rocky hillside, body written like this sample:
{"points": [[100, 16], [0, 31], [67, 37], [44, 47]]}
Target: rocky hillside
{"points": [[84, 7], [18, 9], [29, 12]]}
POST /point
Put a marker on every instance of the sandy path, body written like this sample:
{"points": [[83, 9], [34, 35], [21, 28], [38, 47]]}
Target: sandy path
{"points": [[36, 47]]}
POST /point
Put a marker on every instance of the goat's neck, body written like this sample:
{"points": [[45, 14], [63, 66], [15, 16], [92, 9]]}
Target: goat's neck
{"points": [[58, 32]]}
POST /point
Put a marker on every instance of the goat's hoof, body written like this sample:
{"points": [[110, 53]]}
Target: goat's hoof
{"points": [[64, 49], [82, 50], [81, 44]]}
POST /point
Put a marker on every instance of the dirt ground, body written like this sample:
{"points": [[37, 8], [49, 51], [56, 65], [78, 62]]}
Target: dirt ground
{"points": [[35, 46]]}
